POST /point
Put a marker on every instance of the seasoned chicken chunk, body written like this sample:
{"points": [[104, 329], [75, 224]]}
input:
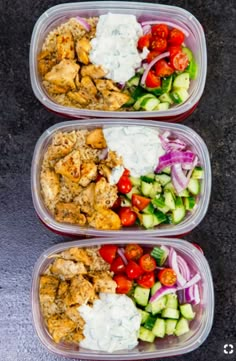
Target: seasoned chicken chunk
{"points": [[113, 100], [48, 288], [106, 84], [69, 166], [112, 160], [83, 48], [65, 46], [94, 71], [45, 62], [103, 282], [105, 194], [60, 326], [77, 254], [88, 85], [62, 144], [81, 97], [50, 185], [54, 89], [63, 74], [96, 139], [66, 269], [105, 219], [69, 187], [73, 313], [69, 213], [81, 291], [63, 288], [104, 170], [88, 172], [86, 199], [75, 336]]}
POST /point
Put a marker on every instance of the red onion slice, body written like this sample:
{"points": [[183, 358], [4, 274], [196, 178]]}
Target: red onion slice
{"points": [[169, 23], [184, 268], [121, 253], [146, 29], [150, 65], [189, 294], [172, 259], [172, 158], [103, 154], [178, 178], [196, 292], [162, 292], [84, 23], [192, 281]]}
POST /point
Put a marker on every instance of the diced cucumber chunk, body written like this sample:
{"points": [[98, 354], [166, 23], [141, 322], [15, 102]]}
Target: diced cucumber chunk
{"points": [[155, 91], [150, 322], [159, 328], [189, 203], [148, 220], [170, 313], [165, 98], [169, 199], [194, 186], [156, 188], [163, 106], [179, 95], [146, 188], [192, 69], [182, 327], [146, 335], [158, 305], [187, 311], [188, 52], [134, 81], [149, 178], [141, 295], [184, 193], [179, 212], [135, 181], [149, 209], [166, 170], [160, 204], [160, 255], [148, 308], [137, 104], [134, 190], [150, 104], [144, 315], [155, 287], [158, 217], [170, 327], [172, 301], [198, 173], [166, 84], [169, 186], [138, 93], [125, 202], [163, 178], [182, 81]]}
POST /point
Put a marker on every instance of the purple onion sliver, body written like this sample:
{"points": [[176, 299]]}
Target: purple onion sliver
{"points": [[162, 292], [191, 282], [189, 294], [146, 29], [83, 22], [196, 300], [184, 268], [121, 253], [174, 265], [181, 296]]}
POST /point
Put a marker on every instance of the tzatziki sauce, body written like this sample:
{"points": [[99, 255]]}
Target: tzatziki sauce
{"points": [[115, 46], [111, 324], [139, 146]]}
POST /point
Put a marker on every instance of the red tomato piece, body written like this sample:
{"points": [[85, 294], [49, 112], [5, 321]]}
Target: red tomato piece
{"points": [[124, 285], [179, 61], [117, 265], [127, 216], [160, 31], [144, 41], [167, 277], [126, 173], [163, 69], [133, 270], [133, 252], [99, 176], [152, 80], [124, 185], [140, 202], [108, 252], [174, 49], [158, 44], [152, 55], [176, 37], [147, 263], [116, 204], [146, 280]]}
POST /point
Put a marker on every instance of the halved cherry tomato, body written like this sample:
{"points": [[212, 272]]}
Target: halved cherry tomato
{"points": [[124, 285], [127, 216], [163, 69], [126, 173], [179, 61], [174, 49], [144, 41], [133, 270], [117, 265], [108, 252], [124, 185], [133, 252], [146, 280], [140, 202], [176, 37], [160, 31], [158, 44], [152, 81], [147, 263], [116, 204], [152, 55], [167, 277]]}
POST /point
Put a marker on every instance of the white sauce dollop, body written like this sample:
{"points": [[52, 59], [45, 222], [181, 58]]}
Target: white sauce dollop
{"points": [[115, 46], [112, 323], [139, 146]]}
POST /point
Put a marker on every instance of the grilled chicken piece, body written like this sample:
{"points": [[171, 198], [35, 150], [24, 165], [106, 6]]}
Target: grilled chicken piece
{"points": [[76, 337], [104, 170], [113, 100], [62, 289], [69, 166], [96, 139], [94, 71], [60, 326], [81, 291], [54, 89], [103, 282], [65, 46], [48, 286], [81, 97], [69, 213], [86, 199], [106, 84], [66, 269], [73, 313], [106, 219], [83, 48], [50, 185], [62, 144], [73, 188], [63, 74], [112, 160], [88, 172], [45, 62], [77, 254], [88, 85], [105, 194]]}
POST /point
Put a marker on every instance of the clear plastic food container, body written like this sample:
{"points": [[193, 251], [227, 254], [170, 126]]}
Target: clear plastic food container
{"points": [[168, 346], [183, 132], [143, 11]]}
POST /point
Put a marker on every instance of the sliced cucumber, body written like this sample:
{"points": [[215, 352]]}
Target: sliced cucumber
{"points": [[138, 93], [134, 81], [155, 287], [194, 186], [170, 326], [166, 84], [170, 313], [150, 322], [179, 212], [146, 335], [182, 327], [148, 220], [134, 190], [155, 91], [163, 178], [182, 81], [146, 188], [149, 178], [150, 104], [156, 188], [169, 199], [149, 209], [169, 186], [165, 98], [158, 218], [166, 170], [141, 295], [192, 69], [160, 204], [163, 106], [179, 95], [188, 52], [189, 203], [144, 315], [137, 104], [198, 173], [159, 328], [172, 301], [158, 305], [184, 193], [135, 181], [187, 311], [160, 255]]}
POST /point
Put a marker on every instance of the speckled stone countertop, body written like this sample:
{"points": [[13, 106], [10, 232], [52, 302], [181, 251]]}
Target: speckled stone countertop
{"points": [[23, 119]]}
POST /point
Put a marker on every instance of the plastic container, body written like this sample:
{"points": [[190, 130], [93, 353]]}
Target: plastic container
{"points": [[144, 11], [181, 131], [169, 346]]}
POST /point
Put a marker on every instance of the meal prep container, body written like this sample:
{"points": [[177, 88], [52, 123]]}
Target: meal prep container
{"points": [[169, 346], [56, 15], [181, 131]]}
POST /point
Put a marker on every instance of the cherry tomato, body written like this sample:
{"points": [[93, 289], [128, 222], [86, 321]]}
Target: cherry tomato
{"points": [[152, 55], [116, 204], [124, 285], [176, 37], [133, 252], [160, 31], [167, 277], [144, 41], [127, 216], [174, 49], [140, 202], [147, 263], [124, 185], [152, 80], [108, 252], [99, 176], [179, 61], [158, 44], [133, 270], [117, 265], [146, 280], [163, 69], [126, 173]]}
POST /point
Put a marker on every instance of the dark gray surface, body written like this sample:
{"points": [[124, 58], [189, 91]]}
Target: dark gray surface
{"points": [[23, 119]]}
